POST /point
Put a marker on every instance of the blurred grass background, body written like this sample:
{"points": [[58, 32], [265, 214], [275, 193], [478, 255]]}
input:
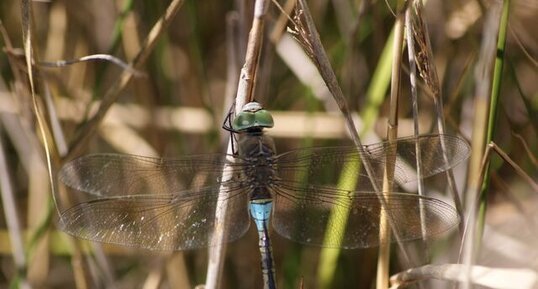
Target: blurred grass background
{"points": [[177, 107]]}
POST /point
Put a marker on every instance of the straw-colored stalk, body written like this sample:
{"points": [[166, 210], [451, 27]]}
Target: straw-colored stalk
{"points": [[382, 279], [245, 89]]}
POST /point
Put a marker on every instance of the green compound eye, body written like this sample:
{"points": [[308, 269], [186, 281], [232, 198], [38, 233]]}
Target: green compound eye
{"points": [[263, 118], [251, 118]]}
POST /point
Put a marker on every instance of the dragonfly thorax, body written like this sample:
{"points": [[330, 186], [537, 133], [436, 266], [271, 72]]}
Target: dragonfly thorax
{"points": [[258, 151]]}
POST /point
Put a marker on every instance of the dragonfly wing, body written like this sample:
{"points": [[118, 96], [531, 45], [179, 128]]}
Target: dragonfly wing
{"points": [[351, 219], [323, 166], [160, 222], [438, 153], [326, 165], [122, 175]]}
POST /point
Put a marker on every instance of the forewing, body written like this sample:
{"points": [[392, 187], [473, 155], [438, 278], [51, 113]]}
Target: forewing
{"points": [[438, 153], [160, 222], [326, 165], [124, 175]]}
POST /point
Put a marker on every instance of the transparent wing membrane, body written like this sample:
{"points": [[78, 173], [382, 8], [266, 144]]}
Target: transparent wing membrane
{"points": [[159, 222], [353, 218], [152, 203], [123, 175], [169, 204], [325, 165]]}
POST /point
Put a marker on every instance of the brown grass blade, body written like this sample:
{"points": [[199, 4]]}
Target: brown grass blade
{"points": [[425, 63]]}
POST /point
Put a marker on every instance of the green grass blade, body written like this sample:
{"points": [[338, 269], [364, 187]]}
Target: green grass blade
{"points": [[493, 109], [376, 93], [339, 216]]}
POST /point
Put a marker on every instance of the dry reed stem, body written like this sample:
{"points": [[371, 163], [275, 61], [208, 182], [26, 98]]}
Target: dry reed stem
{"points": [[383, 261], [460, 53], [414, 103], [531, 156], [232, 66], [11, 124], [80, 276], [492, 147], [176, 263], [59, 139], [279, 28], [11, 215], [245, 89], [483, 76], [426, 66], [306, 34], [37, 270], [154, 278]]}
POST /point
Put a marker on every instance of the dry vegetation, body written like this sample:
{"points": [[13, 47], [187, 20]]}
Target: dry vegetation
{"points": [[181, 79]]}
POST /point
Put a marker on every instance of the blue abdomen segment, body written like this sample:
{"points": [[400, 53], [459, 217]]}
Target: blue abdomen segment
{"points": [[260, 210]]}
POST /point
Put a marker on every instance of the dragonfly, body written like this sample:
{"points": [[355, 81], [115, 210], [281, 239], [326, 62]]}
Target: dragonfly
{"points": [[170, 204]]}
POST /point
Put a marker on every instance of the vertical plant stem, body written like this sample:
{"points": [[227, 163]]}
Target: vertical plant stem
{"points": [[414, 100], [438, 103], [378, 87], [232, 66], [382, 279], [308, 37], [376, 94], [245, 88], [26, 17], [312, 44], [247, 80], [493, 108], [432, 80], [475, 222], [12, 220]]}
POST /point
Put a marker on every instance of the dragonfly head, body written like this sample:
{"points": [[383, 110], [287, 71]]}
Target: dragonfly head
{"points": [[252, 118]]}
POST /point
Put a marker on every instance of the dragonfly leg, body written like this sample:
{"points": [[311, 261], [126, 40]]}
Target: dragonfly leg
{"points": [[227, 126]]}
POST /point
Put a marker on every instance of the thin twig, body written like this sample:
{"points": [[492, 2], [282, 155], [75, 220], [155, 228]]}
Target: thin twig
{"points": [[94, 57], [531, 156], [514, 165]]}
